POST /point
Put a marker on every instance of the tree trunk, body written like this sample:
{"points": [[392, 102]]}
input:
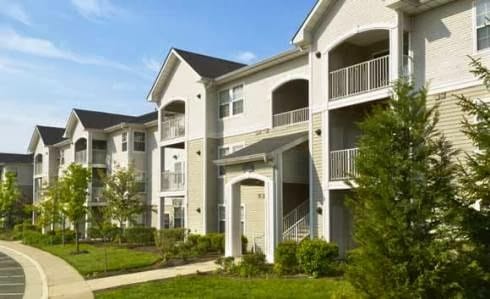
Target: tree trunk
{"points": [[104, 239], [121, 232], [76, 239]]}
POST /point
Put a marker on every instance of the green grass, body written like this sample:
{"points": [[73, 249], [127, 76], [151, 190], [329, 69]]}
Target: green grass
{"points": [[92, 263], [214, 286]]}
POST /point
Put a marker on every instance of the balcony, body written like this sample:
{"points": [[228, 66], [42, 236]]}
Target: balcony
{"points": [[99, 156], [38, 169], [360, 78], [342, 164], [173, 128], [81, 157], [172, 181], [290, 117]]}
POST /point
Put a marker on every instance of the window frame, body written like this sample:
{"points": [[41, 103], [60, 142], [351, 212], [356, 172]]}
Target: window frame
{"points": [[230, 146], [124, 141], [477, 51], [232, 101], [242, 219], [139, 142]]}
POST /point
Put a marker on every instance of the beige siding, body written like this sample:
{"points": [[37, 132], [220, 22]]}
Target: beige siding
{"points": [[212, 186], [194, 186], [317, 169], [253, 202], [451, 115]]}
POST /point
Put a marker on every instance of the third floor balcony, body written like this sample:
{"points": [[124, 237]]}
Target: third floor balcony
{"points": [[172, 181], [173, 128]]}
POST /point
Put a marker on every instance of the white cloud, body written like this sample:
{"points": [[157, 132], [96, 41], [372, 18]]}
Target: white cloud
{"points": [[11, 40], [151, 64], [15, 11], [96, 9], [245, 57]]}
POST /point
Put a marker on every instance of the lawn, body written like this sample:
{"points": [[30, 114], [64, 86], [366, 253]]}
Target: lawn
{"points": [[215, 286], [92, 263]]}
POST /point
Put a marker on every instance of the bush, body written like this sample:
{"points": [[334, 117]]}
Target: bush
{"points": [[35, 238], [285, 258], [217, 242], [139, 235], [317, 257], [226, 265], [169, 241], [252, 265], [112, 234], [21, 227]]}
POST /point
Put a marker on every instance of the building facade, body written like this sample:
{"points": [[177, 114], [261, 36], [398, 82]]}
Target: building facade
{"points": [[265, 150]]}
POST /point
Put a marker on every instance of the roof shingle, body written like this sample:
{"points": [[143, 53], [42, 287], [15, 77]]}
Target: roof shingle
{"points": [[207, 66], [103, 120], [51, 135], [15, 158]]}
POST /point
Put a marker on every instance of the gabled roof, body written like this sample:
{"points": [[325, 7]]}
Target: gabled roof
{"points": [[264, 149], [102, 120], [15, 158], [50, 135], [208, 66]]}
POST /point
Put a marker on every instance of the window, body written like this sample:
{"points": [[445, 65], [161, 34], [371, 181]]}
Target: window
{"points": [[124, 141], [224, 151], [178, 217], [166, 220], [222, 219], [231, 101], [62, 157], [139, 141], [483, 24], [141, 182]]}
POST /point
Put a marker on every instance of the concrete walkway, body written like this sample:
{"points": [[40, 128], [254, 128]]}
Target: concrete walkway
{"points": [[139, 277], [48, 274]]}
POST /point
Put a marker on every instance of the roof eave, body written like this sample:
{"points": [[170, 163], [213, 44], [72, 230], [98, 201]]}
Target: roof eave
{"points": [[243, 159]]}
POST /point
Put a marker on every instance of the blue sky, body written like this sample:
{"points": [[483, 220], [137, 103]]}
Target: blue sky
{"points": [[104, 54]]}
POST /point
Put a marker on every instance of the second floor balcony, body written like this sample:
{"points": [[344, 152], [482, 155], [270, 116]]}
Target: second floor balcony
{"points": [[99, 156], [343, 164], [290, 117], [173, 128], [172, 181], [81, 157], [290, 103]]}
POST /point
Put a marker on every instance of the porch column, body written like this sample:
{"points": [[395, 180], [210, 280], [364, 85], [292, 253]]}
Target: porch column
{"points": [[233, 238], [271, 227], [396, 48], [161, 213]]}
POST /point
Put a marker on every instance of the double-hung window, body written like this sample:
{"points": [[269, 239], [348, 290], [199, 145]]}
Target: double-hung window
{"points": [[482, 24], [231, 101], [223, 151], [222, 219], [139, 141], [124, 141]]}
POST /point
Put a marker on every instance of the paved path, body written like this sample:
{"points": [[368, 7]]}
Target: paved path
{"points": [[12, 279], [56, 276], [139, 277]]}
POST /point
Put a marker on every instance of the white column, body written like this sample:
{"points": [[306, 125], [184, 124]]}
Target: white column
{"points": [[233, 242], [396, 48], [271, 237], [326, 177]]}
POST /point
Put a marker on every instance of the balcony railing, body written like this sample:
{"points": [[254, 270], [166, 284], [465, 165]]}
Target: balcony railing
{"points": [[173, 128], [363, 77], [290, 117], [172, 181], [99, 156], [81, 157], [38, 168], [342, 164]]}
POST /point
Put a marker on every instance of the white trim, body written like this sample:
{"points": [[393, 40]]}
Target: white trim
{"points": [[338, 185], [231, 103], [361, 98], [230, 146]]}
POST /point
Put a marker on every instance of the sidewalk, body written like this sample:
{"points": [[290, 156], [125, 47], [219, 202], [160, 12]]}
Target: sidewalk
{"points": [[140, 277], [60, 279]]}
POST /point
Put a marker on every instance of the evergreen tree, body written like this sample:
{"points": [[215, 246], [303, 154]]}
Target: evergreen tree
{"points": [[475, 181], [75, 183], [404, 204]]}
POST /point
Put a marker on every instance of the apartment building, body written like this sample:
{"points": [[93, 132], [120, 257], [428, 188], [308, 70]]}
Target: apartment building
{"points": [[21, 166], [268, 148], [265, 150]]}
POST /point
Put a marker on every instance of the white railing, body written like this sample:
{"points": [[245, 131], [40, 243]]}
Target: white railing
{"points": [[38, 168], [290, 117], [359, 78], [342, 164], [99, 156], [172, 181], [81, 157], [173, 128], [295, 224]]}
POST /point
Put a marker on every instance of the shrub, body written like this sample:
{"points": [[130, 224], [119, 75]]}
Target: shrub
{"points": [[36, 238], [139, 235], [285, 258], [21, 227], [217, 242], [169, 241], [252, 265], [112, 234], [317, 257], [226, 265]]}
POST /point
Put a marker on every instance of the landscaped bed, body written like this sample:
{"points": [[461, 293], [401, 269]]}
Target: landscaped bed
{"points": [[217, 286], [91, 262]]}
